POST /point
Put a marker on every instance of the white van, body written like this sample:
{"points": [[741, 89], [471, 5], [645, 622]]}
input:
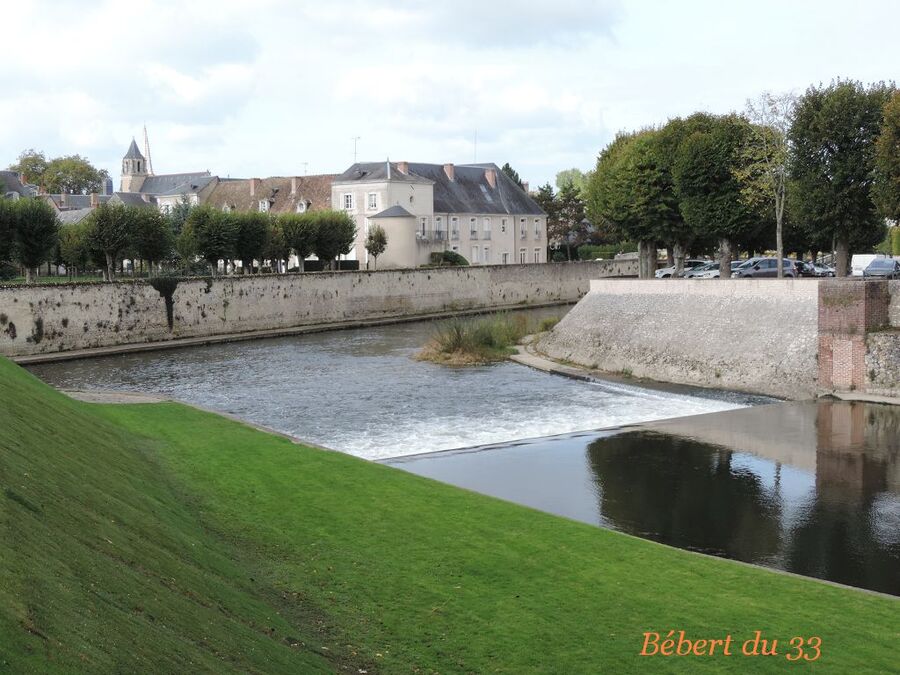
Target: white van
{"points": [[861, 261]]}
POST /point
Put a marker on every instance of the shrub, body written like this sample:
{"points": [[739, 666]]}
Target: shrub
{"points": [[475, 341], [448, 259], [548, 324]]}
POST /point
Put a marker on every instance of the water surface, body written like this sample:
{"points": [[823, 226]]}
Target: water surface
{"points": [[812, 488]]}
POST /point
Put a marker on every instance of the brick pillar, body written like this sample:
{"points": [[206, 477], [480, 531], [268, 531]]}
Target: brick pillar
{"points": [[848, 310]]}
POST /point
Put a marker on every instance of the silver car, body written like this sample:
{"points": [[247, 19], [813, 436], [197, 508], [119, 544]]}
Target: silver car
{"points": [[667, 272]]}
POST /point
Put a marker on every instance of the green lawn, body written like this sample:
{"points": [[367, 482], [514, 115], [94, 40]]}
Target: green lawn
{"points": [[161, 538]]}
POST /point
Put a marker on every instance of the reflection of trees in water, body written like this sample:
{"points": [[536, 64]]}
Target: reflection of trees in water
{"points": [[685, 493]]}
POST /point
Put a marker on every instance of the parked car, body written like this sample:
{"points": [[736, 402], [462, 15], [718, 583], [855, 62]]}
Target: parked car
{"points": [[757, 268], [803, 268], [860, 261], [822, 270], [882, 268], [666, 272], [695, 272], [713, 272]]}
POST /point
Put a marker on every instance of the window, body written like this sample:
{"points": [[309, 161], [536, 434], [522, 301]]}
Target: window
{"points": [[473, 228], [439, 228], [487, 255], [504, 258], [226, 208], [455, 249], [486, 224], [522, 232], [503, 224], [454, 227], [522, 256], [537, 228], [348, 201], [423, 226], [301, 206], [373, 201], [537, 255], [264, 205], [474, 255]]}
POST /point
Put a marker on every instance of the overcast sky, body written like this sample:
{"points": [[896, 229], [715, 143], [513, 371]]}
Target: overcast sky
{"points": [[277, 87]]}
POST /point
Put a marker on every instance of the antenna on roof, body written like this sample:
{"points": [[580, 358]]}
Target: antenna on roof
{"points": [[147, 152], [475, 151], [355, 139], [387, 168], [305, 164]]}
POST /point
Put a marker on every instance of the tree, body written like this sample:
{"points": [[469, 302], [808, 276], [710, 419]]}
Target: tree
{"points": [[278, 249], [7, 228], [150, 234], [179, 213], [833, 136], [764, 173], [32, 165], [73, 175], [513, 175], [251, 238], [36, 234], [546, 199], [300, 233], [110, 231], [887, 161], [335, 235], [710, 197], [376, 242], [213, 234], [74, 246], [571, 218], [576, 177]]}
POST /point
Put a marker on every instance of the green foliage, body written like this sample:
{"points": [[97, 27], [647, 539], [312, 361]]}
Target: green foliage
{"points": [[895, 241], [472, 341], [32, 165], [575, 177], [887, 161], [448, 259], [833, 136], [211, 234], [300, 231], [513, 175], [75, 245], [150, 234], [548, 324], [8, 271], [73, 175], [36, 233], [110, 232], [335, 234], [278, 247], [7, 227], [376, 242], [251, 237], [178, 214]]}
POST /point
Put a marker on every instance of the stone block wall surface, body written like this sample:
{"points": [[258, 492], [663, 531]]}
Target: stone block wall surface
{"points": [[63, 317], [755, 335]]}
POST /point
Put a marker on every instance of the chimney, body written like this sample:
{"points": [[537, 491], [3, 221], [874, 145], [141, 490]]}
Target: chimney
{"points": [[95, 200], [293, 187], [525, 187], [450, 170], [254, 183], [491, 177], [403, 167]]}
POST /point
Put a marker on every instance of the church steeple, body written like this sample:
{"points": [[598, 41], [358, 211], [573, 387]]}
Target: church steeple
{"points": [[134, 169]]}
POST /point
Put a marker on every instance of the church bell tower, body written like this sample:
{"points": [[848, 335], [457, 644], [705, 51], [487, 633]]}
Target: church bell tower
{"points": [[134, 169]]}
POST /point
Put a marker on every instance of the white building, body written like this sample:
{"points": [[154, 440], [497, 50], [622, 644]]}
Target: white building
{"points": [[473, 209]]}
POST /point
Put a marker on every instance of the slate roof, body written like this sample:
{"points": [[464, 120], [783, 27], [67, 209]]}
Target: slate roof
{"points": [[395, 211], [133, 151], [75, 202], [164, 183], [188, 187], [235, 193], [74, 216], [131, 199], [10, 181], [468, 192]]}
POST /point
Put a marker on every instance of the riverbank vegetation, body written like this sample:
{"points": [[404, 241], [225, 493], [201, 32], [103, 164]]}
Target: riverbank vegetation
{"points": [[159, 538], [467, 342]]}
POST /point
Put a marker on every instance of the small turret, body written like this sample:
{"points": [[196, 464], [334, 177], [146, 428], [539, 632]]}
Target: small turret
{"points": [[134, 169]]}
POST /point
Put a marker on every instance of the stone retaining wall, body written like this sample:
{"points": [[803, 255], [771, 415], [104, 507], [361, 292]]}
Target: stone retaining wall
{"points": [[63, 317], [755, 335]]}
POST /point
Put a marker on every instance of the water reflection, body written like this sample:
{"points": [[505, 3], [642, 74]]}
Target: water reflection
{"points": [[813, 488]]}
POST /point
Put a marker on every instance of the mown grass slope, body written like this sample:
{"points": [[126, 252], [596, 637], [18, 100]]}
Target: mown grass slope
{"points": [[160, 537]]}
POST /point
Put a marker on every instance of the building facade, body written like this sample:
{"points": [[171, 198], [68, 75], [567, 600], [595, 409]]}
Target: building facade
{"points": [[474, 209]]}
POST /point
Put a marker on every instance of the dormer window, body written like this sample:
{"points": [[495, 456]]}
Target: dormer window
{"points": [[263, 205], [301, 206]]}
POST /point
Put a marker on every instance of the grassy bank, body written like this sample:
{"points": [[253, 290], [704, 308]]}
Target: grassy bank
{"points": [[160, 538], [463, 342]]}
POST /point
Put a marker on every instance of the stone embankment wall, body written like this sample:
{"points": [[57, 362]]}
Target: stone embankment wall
{"points": [[755, 335], [64, 317]]}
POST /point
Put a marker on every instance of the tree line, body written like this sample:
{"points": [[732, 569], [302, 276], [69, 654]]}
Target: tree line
{"points": [[808, 174], [188, 240]]}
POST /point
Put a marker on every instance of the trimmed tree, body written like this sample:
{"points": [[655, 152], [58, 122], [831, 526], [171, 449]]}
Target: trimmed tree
{"points": [[278, 249], [335, 235], [110, 232], [376, 242], [7, 228], [150, 234], [887, 163], [36, 234], [833, 135], [250, 238], [75, 246], [213, 234], [300, 233]]}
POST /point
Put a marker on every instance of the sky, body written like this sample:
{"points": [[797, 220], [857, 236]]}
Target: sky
{"points": [[282, 87]]}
